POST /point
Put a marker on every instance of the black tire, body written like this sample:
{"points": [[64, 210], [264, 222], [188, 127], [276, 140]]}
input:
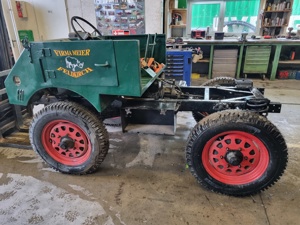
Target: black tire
{"points": [[69, 138], [237, 153], [218, 81]]}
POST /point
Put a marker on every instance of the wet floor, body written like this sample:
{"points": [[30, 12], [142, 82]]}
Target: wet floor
{"points": [[144, 180]]}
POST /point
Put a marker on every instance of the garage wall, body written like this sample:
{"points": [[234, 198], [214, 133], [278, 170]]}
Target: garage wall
{"points": [[50, 19], [153, 14], [47, 19]]}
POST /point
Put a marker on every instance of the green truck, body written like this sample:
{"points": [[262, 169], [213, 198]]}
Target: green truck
{"points": [[233, 149]]}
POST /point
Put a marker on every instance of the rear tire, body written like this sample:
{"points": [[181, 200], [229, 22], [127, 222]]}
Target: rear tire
{"points": [[218, 81], [236, 153], [70, 138]]}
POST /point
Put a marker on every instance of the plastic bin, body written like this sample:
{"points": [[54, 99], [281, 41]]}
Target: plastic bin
{"points": [[298, 75]]}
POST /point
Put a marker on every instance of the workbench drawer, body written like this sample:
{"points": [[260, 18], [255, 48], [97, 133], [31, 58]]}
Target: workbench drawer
{"points": [[225, 53], [255, 68], [174, 73], [175, 66], [231, 68], [258, 54], [257, 59], [224, 62]]}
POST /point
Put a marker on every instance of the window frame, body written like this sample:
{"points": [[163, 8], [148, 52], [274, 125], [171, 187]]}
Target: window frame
{"points": [[221, 16]]}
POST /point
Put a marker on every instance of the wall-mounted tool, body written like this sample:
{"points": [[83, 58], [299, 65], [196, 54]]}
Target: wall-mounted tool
{"points": [[21, 9]]}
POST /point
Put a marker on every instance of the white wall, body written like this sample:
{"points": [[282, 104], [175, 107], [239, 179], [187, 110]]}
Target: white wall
{"points": [[47, 19], [82, 8], [153, 14], [50, 19]]}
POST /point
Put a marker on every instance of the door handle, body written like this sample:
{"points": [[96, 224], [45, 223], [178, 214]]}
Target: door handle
{"points": [[106, 64]]}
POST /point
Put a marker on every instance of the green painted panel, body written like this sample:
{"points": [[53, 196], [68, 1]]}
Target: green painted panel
{"points": [[295, 16], [296, 8], [257, 59], [182, 4], [242, 8], [80, 62], [80, 66], [25, 34], [203, 15], [256, 68]]}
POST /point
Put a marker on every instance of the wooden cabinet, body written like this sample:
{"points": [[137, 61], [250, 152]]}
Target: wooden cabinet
{"points": [[178, 22], [276, 15], [178, 18]]}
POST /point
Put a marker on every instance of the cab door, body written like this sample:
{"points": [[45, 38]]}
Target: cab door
{"points": [[84, 63]]}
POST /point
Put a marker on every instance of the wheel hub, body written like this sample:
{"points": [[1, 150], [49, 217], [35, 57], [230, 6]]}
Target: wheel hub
{"points": [[66, 143], [234, 157]]}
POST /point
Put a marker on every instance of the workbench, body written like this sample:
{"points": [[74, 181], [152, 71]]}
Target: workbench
{"points": [[278, 46]]}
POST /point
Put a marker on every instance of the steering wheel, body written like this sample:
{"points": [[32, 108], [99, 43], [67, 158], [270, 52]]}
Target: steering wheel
{"points": [[86, 35]]}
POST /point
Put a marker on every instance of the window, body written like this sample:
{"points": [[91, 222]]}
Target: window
{"points": [[205, 15], [295, 17], [229, 16]]}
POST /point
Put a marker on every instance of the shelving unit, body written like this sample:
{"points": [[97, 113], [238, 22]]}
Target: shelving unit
{"points": [[177, 18], [289, 61], [278, 58], [295, 62], [276, 17], [178, 22]]}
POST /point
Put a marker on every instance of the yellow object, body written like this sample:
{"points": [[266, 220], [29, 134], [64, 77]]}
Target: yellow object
{"points": [[195, 76]]}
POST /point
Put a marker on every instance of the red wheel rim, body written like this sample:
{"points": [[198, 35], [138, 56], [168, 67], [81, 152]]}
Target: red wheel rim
{"points": [[66, 142], [235, 157]]}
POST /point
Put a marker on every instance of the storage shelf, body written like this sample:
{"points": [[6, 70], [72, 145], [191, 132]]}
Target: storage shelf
{"points": [[204, 60], [178, 22], [178, 26], [275, 20], [289, 61], [278, 11], [275, 26]]}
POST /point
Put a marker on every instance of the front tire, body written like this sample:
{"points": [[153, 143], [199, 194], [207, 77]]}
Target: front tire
{"points": [[236, 153], [70, 138]]}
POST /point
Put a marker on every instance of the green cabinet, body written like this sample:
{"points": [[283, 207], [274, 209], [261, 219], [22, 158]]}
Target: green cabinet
{"points": [[257, 59]]}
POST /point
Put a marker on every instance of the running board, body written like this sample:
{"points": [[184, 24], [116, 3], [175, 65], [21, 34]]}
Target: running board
{"points": [[149, 117], [19, 139]]}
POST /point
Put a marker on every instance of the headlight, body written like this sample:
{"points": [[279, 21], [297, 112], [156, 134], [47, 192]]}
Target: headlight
{"points": [[17, 80]]}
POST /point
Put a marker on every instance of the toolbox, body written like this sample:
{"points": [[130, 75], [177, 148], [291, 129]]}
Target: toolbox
{"points": [[257, 59], [179, 65]]}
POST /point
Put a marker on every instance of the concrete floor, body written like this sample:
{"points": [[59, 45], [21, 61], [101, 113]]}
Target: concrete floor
{"points": [[144, 180]]}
